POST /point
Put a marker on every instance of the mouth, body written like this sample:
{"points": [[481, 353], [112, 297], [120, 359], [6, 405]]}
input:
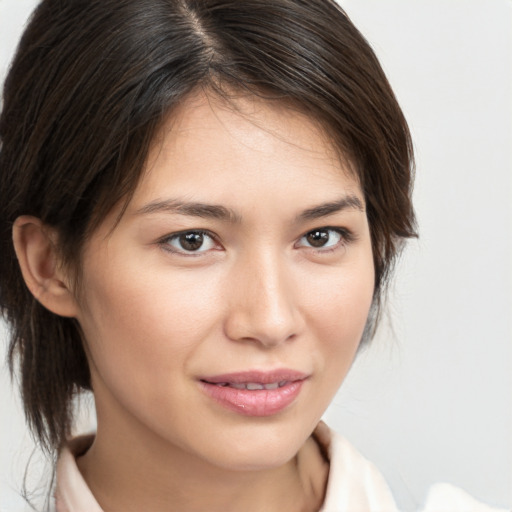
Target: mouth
{"points": [[255, 393], [250, 386]]}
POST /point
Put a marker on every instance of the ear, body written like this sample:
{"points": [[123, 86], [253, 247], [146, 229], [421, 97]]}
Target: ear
{"points": [[36, 249]]}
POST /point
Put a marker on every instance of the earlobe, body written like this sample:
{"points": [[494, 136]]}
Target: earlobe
{"points": [[35, 246]]}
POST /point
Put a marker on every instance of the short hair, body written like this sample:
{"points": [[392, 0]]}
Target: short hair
{"points": [[91, 83]]}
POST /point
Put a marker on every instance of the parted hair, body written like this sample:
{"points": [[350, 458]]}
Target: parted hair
{"points": [[89, 86]]}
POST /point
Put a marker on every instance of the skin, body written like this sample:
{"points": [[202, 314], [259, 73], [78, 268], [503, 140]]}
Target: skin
{"points": [[254, 296]]}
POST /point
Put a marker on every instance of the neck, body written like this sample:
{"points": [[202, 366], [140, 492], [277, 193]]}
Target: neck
{"points": [[130, 469]]}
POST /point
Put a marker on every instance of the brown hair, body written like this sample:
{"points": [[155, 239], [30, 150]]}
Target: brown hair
{"points": [[90, 84]]}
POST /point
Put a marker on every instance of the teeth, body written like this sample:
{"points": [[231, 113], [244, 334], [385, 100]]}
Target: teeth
{"points": [[253, 386]]}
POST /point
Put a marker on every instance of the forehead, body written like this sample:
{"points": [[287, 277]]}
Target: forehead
{"points": [[211, 141]]}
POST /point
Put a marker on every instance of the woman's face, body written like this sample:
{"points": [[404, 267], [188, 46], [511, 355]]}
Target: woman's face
{"points": [[224, 310]]}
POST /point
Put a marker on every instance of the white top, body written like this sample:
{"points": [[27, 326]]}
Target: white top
{"points": [[354, 484]]}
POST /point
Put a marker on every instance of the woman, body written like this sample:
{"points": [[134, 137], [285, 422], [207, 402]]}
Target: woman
{"points": [[205, 200]]}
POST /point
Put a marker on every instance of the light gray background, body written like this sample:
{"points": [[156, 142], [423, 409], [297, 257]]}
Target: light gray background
{"points": [[430, 400]]}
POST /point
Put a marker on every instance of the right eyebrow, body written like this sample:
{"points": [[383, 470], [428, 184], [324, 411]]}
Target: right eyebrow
{"points": [[323, 210], [194, 209]]}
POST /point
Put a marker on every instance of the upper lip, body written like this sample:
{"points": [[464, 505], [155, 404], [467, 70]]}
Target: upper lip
{"points": [[257, 376]]}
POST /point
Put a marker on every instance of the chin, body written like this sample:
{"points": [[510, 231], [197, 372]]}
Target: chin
{"points": [[255, 449]]}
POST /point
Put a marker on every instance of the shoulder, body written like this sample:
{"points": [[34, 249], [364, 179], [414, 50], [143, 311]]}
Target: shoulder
{"points": [[357, 485], [72, 493], [447, 498], [354, 482]]}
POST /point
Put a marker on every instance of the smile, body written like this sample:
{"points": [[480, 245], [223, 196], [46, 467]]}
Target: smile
{"points": [[255, 393], [253, 386]]}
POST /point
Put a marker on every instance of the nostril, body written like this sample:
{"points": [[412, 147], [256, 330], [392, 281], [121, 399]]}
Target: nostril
{"points": [[262, 308]]}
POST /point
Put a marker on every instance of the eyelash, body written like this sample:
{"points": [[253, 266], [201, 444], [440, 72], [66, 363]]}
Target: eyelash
{"points": [[346, 237], [165, 242]]}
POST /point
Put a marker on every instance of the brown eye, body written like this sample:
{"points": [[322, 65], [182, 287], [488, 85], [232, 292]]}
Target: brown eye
{"points": [[318, 238], [324, 238], [188, 242], [191, 241]]}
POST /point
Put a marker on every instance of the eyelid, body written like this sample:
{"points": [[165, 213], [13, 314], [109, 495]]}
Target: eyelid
{"points": [[163, 242], [347, 236]]}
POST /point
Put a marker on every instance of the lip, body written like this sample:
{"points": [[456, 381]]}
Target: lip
{"points": [[259, 402]]}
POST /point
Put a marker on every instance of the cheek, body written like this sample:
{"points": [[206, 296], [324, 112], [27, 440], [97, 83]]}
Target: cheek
{"points": [[137, 319], [339, 303], [337, 314]]}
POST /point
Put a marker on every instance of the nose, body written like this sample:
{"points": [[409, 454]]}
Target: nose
{"points": [[263, 307]]}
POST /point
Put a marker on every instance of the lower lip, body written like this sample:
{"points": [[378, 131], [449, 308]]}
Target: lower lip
{"points": [[259, 402]]}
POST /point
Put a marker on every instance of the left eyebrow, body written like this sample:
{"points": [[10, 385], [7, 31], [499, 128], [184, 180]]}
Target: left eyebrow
{"points": [[193, 209], [323, 210]]}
